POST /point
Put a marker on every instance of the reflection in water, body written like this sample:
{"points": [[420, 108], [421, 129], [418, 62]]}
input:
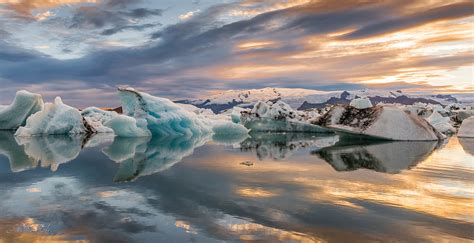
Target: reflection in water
{"points": [[280, 146], [146, 156], [210, 197], [387, 157], [25, 153], [467, 144], [15, 153]]}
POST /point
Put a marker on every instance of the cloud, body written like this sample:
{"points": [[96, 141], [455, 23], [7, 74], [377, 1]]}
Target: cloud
{"points": [[143, 12], [118, 29], [316, 44], [446, 12]]}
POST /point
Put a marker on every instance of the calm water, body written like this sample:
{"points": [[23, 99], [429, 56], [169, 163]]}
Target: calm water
{"points": [[268, 188]]}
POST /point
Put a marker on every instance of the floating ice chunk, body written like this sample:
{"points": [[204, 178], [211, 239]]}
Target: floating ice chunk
{"points": [[125, 126], [467, 128], [229, 133], [441, 123], [55, 118], [97, 117], [278, 117], [382, 122], [361, 103], [236, 114], [163, 118], [24, 105]]}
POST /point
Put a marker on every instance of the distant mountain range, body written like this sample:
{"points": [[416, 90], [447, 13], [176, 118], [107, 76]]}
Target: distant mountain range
{"points": [[303, 99]]}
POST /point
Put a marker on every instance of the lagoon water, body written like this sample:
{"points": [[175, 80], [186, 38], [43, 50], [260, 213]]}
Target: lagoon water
{"points": [[279, 187]]}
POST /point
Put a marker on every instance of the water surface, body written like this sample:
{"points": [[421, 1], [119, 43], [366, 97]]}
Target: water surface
{"points": [[270, 187]]}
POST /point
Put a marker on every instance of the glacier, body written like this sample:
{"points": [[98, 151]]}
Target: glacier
{"points": [[23, 105], [54, 118]]}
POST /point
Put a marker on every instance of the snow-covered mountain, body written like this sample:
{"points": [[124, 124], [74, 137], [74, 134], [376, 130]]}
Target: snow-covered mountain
{"points": [[302, 99]]}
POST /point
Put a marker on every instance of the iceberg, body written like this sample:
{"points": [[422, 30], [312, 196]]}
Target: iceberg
{"points": [[380, 122], [278, 117], [442, 124], [361, 103], [467, 128], [55, 118], [125, 126], [96, 118], [163, 118], [24, 105]]}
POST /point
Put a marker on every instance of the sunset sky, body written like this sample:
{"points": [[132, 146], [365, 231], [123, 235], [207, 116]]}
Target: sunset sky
{"points": [[83, 49]]}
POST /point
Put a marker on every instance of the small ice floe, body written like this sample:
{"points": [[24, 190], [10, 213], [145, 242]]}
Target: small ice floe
{"points": [[361, 103], [247, 163], [278, 117], [441, 123]]}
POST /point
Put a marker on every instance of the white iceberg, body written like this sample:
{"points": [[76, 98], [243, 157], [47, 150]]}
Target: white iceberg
{"points": [[467, 128], [380, 122], [441, 123], [125, 126], [96, 118], [24, 105], [55, 118], [361, 103], [164, 118], [278, 117]]}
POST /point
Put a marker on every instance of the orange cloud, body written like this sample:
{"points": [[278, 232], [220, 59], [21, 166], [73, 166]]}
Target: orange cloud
{"points": [[25, 7]]}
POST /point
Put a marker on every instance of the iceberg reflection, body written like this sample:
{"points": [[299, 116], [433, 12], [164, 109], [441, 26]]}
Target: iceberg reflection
{"points": [[145, 156], [467, 145], [25, 153], [387, 157], [280, 146], [19, 160]]}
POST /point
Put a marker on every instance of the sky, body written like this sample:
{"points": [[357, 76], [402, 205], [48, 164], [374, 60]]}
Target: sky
{"points": [[83, 49]]}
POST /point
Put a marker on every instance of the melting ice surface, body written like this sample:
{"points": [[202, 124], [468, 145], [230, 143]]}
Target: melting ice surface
{"points": [[267, 187]]}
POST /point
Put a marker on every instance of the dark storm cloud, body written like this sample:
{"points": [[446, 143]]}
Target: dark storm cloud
{"points": [[403, 22], [142, 12], [118, 29]]}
